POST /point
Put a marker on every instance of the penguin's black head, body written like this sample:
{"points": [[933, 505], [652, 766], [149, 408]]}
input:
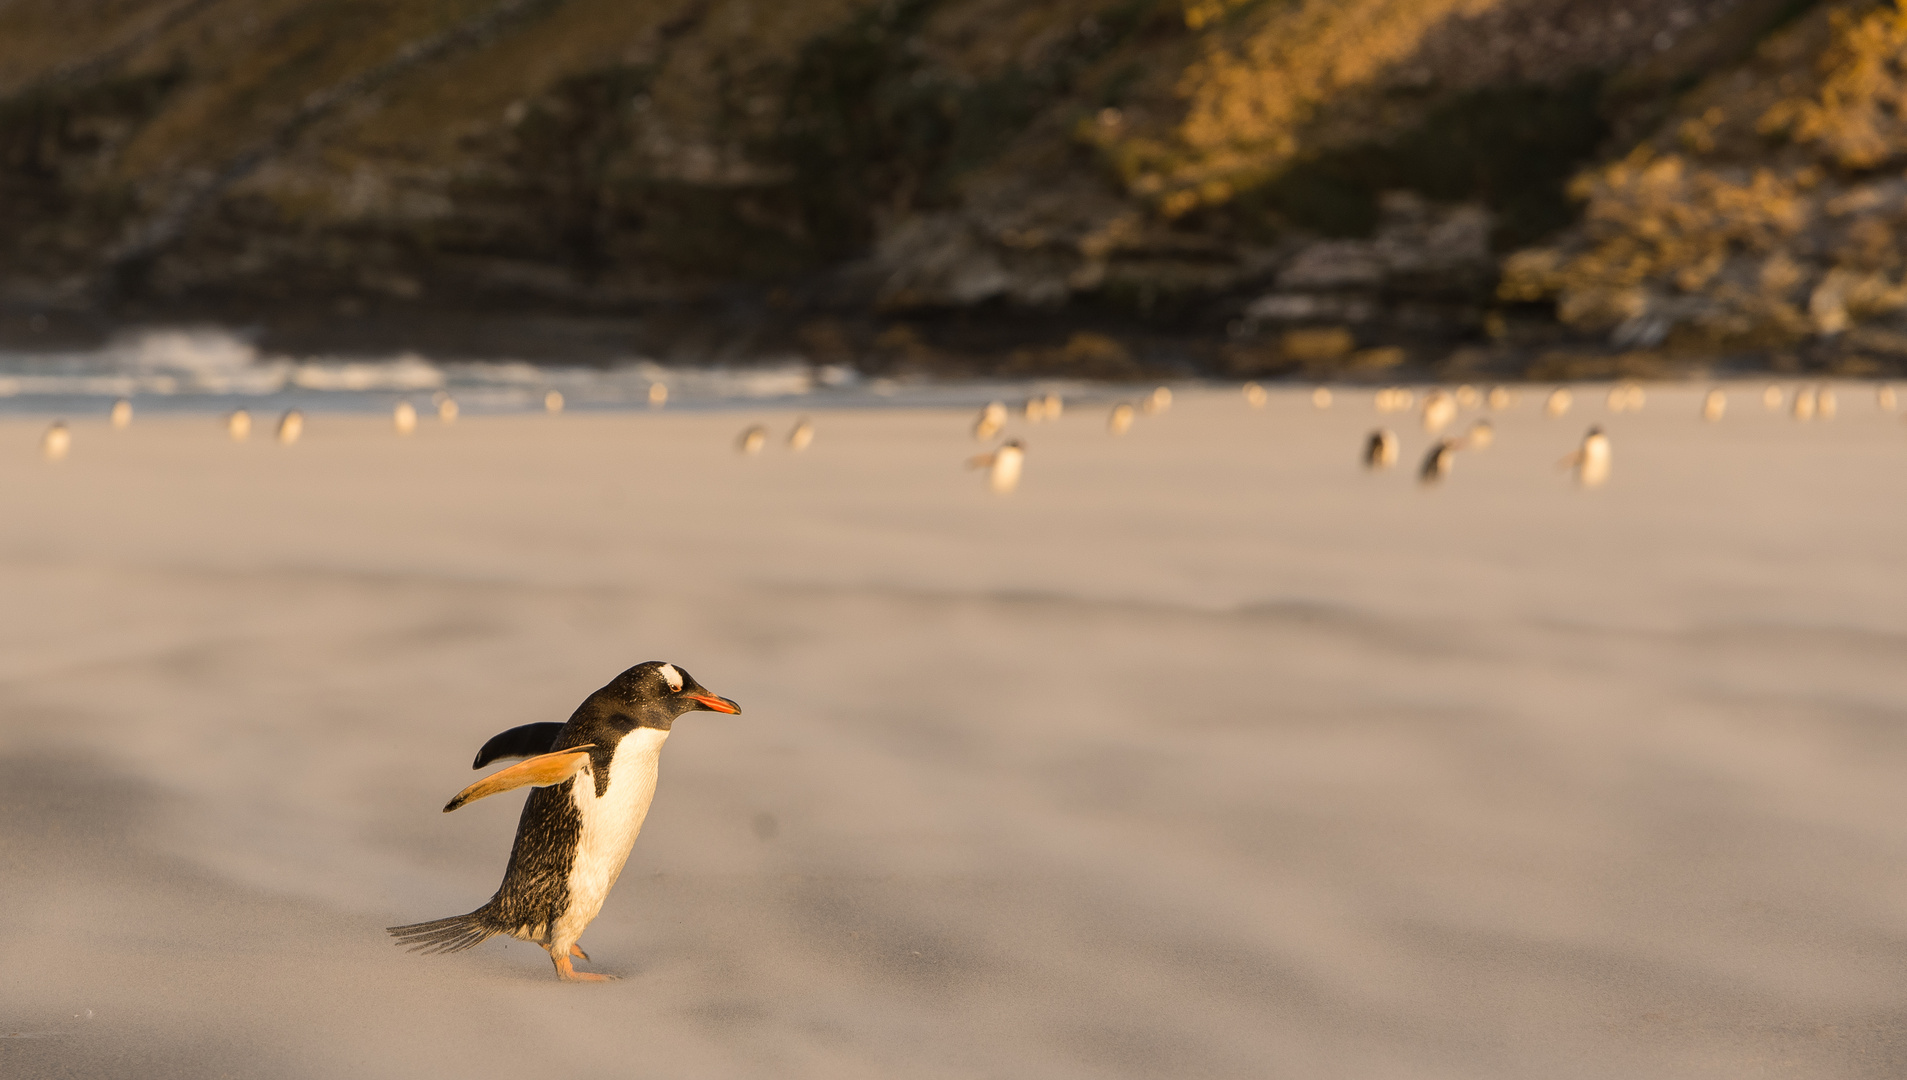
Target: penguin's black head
{"points": [[656, 693]]}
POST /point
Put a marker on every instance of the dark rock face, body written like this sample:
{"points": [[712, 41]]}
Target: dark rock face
{"points": [[913, 185]]}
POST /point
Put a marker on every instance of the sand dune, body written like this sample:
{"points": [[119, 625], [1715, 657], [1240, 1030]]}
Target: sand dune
{"points": [[1204, 754]]}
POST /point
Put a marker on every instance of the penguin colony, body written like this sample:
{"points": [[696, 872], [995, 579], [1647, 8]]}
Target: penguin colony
{"points": [[593, 779]]}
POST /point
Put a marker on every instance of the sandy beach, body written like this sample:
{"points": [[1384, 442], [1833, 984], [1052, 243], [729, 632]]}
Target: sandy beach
{"points": [[1205, 754]]}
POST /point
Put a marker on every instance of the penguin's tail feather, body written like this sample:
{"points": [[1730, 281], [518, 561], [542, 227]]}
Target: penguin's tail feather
{"points": [[455, 934]]}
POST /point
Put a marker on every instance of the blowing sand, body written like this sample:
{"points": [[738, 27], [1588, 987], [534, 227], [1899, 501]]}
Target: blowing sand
{"points": [[1206, 754]]}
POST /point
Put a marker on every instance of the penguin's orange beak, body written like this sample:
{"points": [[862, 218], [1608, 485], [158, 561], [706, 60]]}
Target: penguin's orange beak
{"points": [[715, 704]]}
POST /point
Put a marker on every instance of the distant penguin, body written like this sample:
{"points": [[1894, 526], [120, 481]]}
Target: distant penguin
{"points": [[1625, 397], [754, 437], [801, 435], [1884, 397], [1499, 398], [1437, 462], [1558, 402], [553, 402], [1380, 449], [1771, 398], [991, 420], [1055, 406], [1633, 394], [1158, 401], [122, 414], [1803, 408], [447, 410], [1255, 395], [1467, 397], [1480, 436], [290, 426], [1714, 404], [1120, 420], [1003, 466], [404, 417], [1321, 397], [56, 442], [658, 395], [1591, 459], [1824, 403], [1439, 410], [1035, 409], [238, 424], [593, 779]]}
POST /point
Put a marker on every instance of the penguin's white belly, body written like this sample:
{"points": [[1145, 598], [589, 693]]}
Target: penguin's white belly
{"points": [[610, 824]]}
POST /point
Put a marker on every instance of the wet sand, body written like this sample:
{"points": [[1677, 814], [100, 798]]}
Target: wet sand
{"points": [[1206, 754]]}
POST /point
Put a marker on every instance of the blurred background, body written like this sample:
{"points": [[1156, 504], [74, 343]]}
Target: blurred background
{"points": [[1557, 188]]}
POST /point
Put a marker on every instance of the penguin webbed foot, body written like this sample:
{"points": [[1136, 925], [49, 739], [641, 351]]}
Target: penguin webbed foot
{"points": [[568, 973]]}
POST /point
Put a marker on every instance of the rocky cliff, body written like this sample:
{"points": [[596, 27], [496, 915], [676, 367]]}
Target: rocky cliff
{"points": [[1092, 186]]}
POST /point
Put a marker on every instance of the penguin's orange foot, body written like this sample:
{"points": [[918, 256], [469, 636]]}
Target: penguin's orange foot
{"points": [[578, 953], [569, 974]]}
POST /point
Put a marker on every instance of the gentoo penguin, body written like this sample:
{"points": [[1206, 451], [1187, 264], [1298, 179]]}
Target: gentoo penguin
{"points": [[1035, 409], [56, 442], [1499, 398], [553, 401], [404, 418], [1055, 406], [122, 414], [1884, 397], [658, 395], [595, 777], [1003, 466], [1254, 395], [1558, 402], [1120, 421], [1439, 410], [754, 437], [1380, 449], [801, 436], [1824, 403], [1714, 404], [290, 426], [1321, 397], [1467, 397], [447, 410], [1803, 408], [1771, 398], [991, 420], [1480, 436], [1591, 459], [1437, 462], [1157, 401], [238, 424]]}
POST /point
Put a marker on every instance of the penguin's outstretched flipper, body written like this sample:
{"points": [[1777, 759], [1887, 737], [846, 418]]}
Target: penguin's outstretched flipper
{"points": [[540, 771], [526, 741]]}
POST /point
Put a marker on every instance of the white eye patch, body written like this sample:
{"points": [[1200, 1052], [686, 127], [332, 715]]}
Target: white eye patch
{"points": [[671, 676]]}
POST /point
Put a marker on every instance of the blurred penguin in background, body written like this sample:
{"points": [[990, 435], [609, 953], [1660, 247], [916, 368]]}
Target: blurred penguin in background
{"points": [[1437, 463], [404, 418], [1439, 410], [801, 436], [238, 424], [1714, 404], [122, 414], [1824, 403], [1120, 421], [1480, 436], [1591, 459], [1803, 407], [290, 426], [1255, 395], [1558, 402], [1003, 466], [56, 442], [553, 401], [1158, 401], [1321, 398], [1380, 449], [754, 437], [991, 420]]}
